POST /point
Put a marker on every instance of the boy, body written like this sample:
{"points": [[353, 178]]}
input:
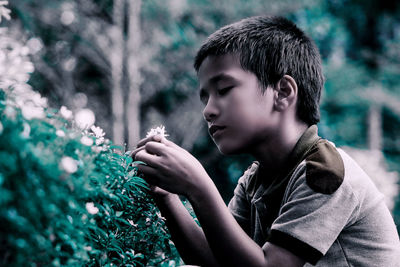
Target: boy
{"points": [[303, 201]]}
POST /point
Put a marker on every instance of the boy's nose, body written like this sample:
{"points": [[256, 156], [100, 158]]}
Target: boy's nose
{"points": [[210, 111]]}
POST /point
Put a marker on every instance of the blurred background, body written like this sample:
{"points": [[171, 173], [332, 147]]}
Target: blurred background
{"points": [[126, 66]]}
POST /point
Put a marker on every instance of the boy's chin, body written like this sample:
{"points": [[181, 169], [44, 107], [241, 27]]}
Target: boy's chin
{"points": [[228, 150]]}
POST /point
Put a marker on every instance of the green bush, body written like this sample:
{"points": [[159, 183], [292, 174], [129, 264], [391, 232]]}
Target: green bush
{"points": [[69, 197]]}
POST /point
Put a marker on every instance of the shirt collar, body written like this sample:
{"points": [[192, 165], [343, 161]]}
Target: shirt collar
{"points": [[302, 148]]}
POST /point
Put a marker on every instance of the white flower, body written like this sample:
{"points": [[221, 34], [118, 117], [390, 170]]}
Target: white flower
{"points": [[34, 45], [87, 141], [4, 12], [98, 132], [60, 133], [97, 149], [65, 113], [148, 221], [1, 128], [27, 130], [10, 112], [159, 216], [99, 141], [85, 118], [38, 100], [161, 255], [30, 111], [159, 130], [52, 237], [91, 208], [132, 223], [69, 164]]}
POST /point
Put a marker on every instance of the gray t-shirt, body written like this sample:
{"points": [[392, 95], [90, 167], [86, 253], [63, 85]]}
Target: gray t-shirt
{"points": [[324, 209]]}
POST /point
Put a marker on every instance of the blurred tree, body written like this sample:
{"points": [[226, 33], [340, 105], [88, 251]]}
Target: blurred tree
{"points": [[373, 36], [133, 63], [90, 47], [116, 60]]}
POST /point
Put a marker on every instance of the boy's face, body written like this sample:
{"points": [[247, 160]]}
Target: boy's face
{"points": [[240, 117]]}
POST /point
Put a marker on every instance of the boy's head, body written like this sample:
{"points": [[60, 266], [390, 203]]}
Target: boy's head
{"points": [[271, 47]]}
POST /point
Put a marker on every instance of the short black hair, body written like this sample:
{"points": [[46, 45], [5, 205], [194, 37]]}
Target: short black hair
{"points": [[271, 47]]}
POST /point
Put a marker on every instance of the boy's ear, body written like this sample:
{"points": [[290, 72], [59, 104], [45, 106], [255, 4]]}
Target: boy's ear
{"points": [[285, 93]]}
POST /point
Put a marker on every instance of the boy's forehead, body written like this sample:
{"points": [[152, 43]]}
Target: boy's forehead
{"points": [[220, 60], [214, 68]]}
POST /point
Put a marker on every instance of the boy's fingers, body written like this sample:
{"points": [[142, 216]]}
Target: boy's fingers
{"points": [[147, 158], [156, 138], [142, 143], [165, 141], [151, 147], [134, 152], [146, 140], [155, 148]]}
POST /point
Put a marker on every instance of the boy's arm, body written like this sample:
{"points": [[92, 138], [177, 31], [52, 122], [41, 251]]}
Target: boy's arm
{"points": [[188, 237], [229, 243], [175, 170]]}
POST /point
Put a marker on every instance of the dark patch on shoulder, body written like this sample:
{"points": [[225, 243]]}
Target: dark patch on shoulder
{"points": [[325, 168]]}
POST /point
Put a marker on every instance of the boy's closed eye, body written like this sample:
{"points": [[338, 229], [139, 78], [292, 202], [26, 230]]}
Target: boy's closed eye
{"points": [[224, 90], [220, 92]]}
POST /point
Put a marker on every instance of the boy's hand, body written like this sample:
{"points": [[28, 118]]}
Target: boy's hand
{"points": [[169, 166], [157, 191]]}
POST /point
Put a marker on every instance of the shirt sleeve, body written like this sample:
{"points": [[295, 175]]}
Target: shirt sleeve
{"points": [[309, 222]]}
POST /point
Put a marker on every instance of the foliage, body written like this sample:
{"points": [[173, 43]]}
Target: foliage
{"points": [[68, 196], [66, 200]]}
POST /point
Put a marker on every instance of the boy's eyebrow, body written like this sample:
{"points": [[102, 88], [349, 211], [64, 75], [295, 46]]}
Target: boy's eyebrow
{"points": [[221, 76], [217, 78]]}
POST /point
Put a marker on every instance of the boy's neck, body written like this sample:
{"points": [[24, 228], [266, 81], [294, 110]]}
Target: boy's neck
{"points": [[274, 153]]}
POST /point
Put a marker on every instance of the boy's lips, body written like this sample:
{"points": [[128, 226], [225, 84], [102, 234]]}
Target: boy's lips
{"points": [[215, 129]]}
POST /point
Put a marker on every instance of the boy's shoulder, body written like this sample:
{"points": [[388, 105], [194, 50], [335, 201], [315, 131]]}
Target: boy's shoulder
{"points": [[322, 164], [324, 167]]}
